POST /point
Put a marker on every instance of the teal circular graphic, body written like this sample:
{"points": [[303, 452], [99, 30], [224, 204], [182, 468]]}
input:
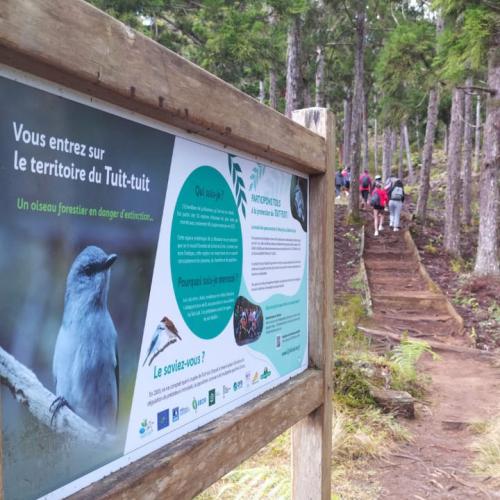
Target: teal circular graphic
{"points": [[206, 252]]}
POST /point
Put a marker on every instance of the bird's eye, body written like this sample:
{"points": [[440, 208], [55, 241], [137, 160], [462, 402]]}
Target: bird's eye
{"points": [[87, 270]]}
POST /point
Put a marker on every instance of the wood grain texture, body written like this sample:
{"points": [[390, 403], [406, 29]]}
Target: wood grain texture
{"points": [[75, 44], [312, 437], [192, 463]]}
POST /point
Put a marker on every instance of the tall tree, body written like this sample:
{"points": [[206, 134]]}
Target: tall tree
{"points": [[467, 156], [477, 135], [366, 151], [487, 249], [430, 132], [401, 151], [425, 171], [358, 103], [474, 35], [293, 76], [273, 88], [375, 144], [452, 212], [411, 173], [387, 153], [346, 145], [320, 77]]}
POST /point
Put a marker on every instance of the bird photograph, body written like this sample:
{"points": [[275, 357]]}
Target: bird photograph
{"points": [[85, 363], [298, 200], [165, 335]]}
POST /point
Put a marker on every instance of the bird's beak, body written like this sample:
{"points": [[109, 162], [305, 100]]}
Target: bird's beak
{"points": [[109, 261]]}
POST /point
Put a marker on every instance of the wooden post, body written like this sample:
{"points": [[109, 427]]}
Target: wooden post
{"points": [[1, 446], [312, 436]]}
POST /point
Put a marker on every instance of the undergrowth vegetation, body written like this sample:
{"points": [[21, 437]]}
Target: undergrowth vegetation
{"points": [[487, 447], [360, 430], [357, 368]]}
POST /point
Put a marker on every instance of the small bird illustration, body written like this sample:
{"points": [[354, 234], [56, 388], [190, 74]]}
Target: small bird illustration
{"points": [[165, 334], [85, 364]]}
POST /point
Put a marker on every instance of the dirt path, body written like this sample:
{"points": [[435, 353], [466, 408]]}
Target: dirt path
{"points": [[465, 387]]}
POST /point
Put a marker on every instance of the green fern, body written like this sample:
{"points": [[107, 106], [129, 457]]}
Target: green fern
{"points": [[406, 355]]}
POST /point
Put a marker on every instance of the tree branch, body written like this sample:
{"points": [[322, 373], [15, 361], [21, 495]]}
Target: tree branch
{"points": [[480, 89], [161, 350], [179, 30], [29, 391]]}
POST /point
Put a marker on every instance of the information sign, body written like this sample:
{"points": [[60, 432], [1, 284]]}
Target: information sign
{"points": [[150, 281]]}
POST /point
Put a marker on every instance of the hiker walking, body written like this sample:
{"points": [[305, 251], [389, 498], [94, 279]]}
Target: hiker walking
{"points": [[378, 201], [339, 182], [346, 173], [365, 183], [396, 196]]}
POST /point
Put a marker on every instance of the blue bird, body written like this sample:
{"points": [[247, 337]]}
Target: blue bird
{"points": [[165, 334], [85, 364]]}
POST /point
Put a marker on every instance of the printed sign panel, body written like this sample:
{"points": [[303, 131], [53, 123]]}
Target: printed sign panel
{"points": [[150, 283]]}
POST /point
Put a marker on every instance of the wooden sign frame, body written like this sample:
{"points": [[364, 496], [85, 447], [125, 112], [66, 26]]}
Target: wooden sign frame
{"points": [[71, 43]]}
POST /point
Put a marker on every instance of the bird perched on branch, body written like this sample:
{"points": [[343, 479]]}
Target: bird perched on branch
{"points": [[165, 334], [85, 364]]}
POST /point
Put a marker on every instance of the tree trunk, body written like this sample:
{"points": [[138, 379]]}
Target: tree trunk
{"points": [[273, 93], [346, 153], [386, 154], [358, 103], [411, 173], [425, 172], [445, 141], [401, 152], [366, 153], [375, 146], [320, 77], [452, 211], [293, 83], [417, 130], [477, 138], [306, 95], [487, 248], [467, 158], [262, 92]]}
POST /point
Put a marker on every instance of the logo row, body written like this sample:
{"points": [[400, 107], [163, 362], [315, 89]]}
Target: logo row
{"points": [[163, 419]]}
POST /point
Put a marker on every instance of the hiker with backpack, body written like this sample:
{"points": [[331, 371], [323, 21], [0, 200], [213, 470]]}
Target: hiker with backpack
{"points": [[378, 178], [339, 182], [365, 182], [346, 173], [396, 199], [378, 201]]}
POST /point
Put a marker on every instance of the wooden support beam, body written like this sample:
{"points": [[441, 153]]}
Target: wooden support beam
{"points": [[312, 437], [189, 465], [1, 447], [74, 44]]}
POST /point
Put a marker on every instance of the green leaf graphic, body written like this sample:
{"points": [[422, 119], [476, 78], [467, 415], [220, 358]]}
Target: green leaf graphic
{"points": [[238, 183]]}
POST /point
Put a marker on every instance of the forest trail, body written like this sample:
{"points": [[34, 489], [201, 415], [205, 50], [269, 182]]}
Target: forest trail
{"points": [[465, 386]]}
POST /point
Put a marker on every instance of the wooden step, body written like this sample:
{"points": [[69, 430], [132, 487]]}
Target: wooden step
{"points": [[409, 304], [417, 327], [393, 255], [372, 263]]}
